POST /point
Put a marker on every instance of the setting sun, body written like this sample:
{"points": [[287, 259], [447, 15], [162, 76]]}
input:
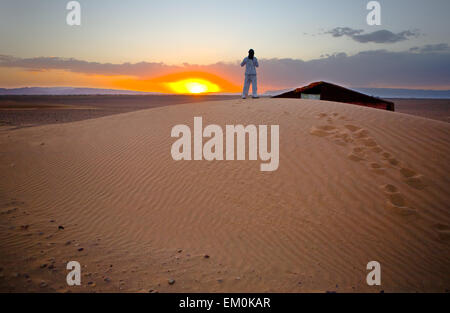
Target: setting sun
{"points": [[193, 85], [192, 82]]}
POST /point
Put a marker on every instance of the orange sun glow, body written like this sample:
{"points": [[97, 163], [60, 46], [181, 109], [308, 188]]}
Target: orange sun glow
{"points": [[191, 82], [193, 85]]}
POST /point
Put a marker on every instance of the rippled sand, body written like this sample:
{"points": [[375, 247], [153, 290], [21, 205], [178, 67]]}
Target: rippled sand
{"points": [[354, 185]]}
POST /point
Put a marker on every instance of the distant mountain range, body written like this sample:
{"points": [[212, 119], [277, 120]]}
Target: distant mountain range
{"points": [[389, 93], [405, 93], [377, 92], [58, 91]]}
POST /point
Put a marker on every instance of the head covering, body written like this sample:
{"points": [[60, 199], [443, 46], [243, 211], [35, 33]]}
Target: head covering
{"points": [[251, 54]]}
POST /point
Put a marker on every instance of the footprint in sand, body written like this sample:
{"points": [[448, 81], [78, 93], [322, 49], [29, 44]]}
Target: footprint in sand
{"points": [[357, 154], [323, 131], [361, 134], [340, 142], [395, 201], [362, 146], [394, 162], [443, 231], [342, 138], [355, 157], [369, 142], [377, 149], [352, 134], [412, 178], [389, 159], [376, 168], [389, 188], [339, 117], [386, 155], [352, 128], [332, 117]]}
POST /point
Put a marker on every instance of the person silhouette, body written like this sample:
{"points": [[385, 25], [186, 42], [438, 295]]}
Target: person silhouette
{"points": [[251, 63]]}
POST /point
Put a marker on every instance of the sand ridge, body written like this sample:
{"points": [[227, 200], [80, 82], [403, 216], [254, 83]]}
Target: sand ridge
{"points": [[354, 184]]}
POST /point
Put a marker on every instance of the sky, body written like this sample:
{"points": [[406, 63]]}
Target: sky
{"points": [[147, 44]]}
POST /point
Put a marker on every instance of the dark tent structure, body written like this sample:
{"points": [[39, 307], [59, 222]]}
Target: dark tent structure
{"points": [[330, 92]]}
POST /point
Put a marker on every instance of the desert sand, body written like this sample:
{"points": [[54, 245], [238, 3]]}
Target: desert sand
{"points": [[437, 109], [17, 111], [354, 185]]}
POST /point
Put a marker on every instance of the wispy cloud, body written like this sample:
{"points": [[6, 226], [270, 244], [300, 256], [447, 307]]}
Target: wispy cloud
{"points": [[344, 31], [79, 66], [438, 48], [380, 36]]}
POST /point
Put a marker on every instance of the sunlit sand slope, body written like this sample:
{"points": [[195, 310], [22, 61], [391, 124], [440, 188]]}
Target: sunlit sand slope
{"points": [[354, 185]]}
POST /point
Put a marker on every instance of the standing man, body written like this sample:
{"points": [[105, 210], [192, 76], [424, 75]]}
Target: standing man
{"points": [[251, 63]]}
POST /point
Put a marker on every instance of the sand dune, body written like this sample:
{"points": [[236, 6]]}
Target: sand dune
{"points": [[354, 184]]}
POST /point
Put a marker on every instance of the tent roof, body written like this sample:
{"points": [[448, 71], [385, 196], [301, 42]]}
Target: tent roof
{"points": [[332, 92]]}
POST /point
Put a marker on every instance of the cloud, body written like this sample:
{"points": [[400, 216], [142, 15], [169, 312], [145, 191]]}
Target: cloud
{"points": [[378, 68], [380, 36], [344, 31], [426, 66], [437, 48], [80, 66]]}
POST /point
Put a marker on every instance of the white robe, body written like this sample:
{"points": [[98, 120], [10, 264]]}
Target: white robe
{"points": [[250, 76], [250, 65]]}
